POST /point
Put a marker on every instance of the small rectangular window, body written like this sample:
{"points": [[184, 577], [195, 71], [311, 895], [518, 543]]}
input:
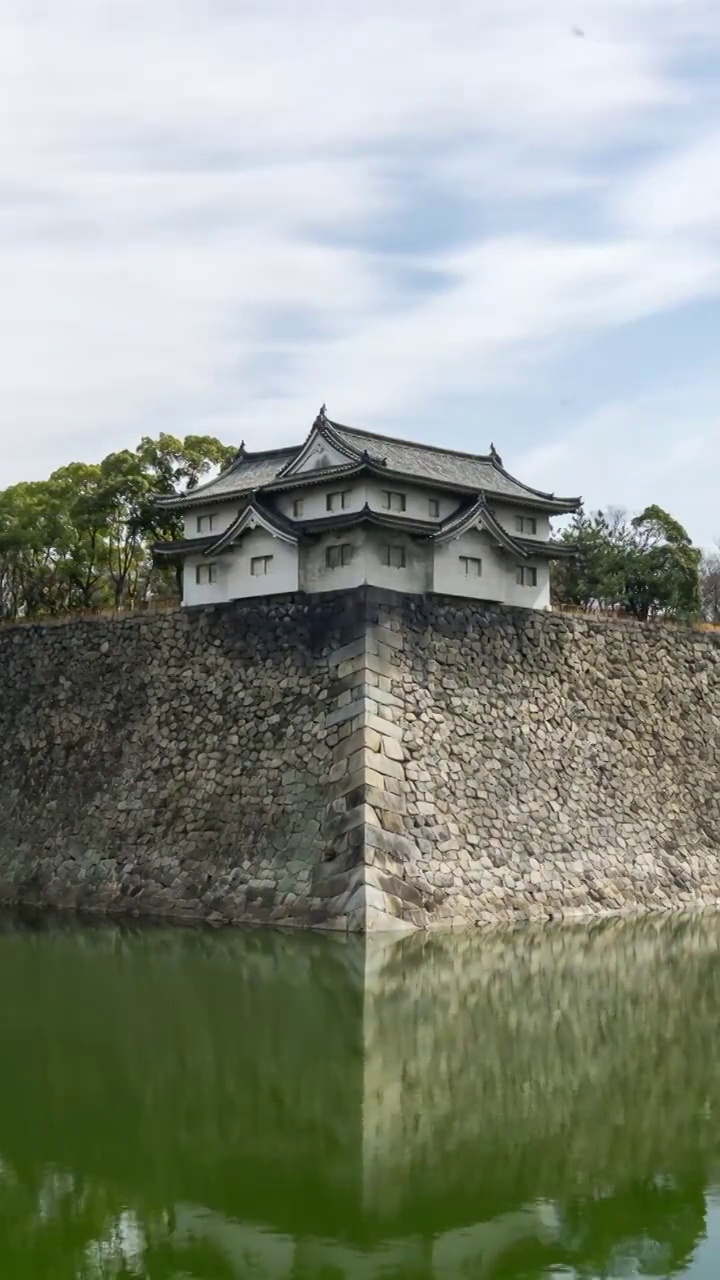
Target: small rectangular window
{"points": [[298, 507], [393, 501], [471, 566], [526, 576], [260, 565], [205, 524], [394, 557], [525, 524], [338, 501], [338, 554], [206, 574], [433, 507]]}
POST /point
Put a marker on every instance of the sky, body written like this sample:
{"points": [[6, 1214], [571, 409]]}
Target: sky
{"points": [[460, 222]]}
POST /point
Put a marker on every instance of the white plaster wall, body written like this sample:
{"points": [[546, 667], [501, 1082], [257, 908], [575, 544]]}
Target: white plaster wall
{"points": [[283, 575], [366, 565], [417, 499], [315, 499], [449, 574], [323, 455], [224, 514], [208, 593], [529, 597], [416, 576], [506, 516], [315, 574], [370, 492]]}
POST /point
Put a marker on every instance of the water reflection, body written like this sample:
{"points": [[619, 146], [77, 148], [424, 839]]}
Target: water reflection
{"points": [[512, 1105]]}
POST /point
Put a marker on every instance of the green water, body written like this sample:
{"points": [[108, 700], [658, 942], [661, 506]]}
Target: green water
{"points": [[521, 1104]]}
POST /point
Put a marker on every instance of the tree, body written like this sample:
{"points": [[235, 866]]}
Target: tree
{"points": [[594, 576], [710, 586], [663, 575], [82, 539], [645, 567]]}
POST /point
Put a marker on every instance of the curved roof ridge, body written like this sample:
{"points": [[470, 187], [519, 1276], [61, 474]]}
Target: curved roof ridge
{"points": [[475, 514], [412, 444], [254, 512]]}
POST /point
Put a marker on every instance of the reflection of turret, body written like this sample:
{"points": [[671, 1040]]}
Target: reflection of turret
{"points": [[500, 1102]]}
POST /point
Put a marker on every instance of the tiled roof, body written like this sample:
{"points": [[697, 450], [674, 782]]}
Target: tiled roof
{"points": [[425, 463], [442, 466], [249, 472]]}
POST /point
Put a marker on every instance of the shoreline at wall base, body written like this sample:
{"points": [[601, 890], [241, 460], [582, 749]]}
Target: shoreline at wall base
{"points": [[378, 924]]}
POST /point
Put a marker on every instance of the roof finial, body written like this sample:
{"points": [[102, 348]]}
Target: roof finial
{"points": [[240, 453], [321, 419], [495, 455]]}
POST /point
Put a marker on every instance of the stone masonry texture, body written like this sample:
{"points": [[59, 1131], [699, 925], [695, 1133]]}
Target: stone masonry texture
{"points": [[360, 761]]}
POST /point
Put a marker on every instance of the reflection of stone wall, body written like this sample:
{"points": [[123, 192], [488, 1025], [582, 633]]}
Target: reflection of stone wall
{"points": [[430, 1104], [221, 1068], [541, 1059]]}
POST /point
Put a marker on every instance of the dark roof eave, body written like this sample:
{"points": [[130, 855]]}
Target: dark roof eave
{"points": [[533, 500], [182, 546], [382, 519], [551, 550]]}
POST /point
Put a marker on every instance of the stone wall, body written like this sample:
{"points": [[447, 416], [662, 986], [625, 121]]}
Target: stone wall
{"points": [[172, 765], [360, 760], [555, 765]]}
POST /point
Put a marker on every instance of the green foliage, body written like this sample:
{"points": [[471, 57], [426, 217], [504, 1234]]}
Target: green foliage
{"points": [[646, 567], [710, 586], [81, 539]]}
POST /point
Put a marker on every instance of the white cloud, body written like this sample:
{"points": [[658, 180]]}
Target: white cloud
{"points": [[191, 190], [661, 447], [679, 193]]}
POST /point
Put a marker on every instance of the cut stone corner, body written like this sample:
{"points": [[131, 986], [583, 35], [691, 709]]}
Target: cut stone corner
{"points": [[363, 879]]}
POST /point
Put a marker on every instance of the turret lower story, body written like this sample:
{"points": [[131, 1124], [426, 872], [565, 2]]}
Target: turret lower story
{"points": [[348, 508]]}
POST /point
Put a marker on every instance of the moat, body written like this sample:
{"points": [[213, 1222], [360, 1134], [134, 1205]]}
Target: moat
{"points": [[515, 1104]]}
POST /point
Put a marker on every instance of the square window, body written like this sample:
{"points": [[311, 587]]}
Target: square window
{"points": [[298, 507], [526, 576], [205, 574], [260, 566], [337, 501], [471, 566], [394, 557], [525, 524], [433, 507], [338, 554], [393, 501], [205, 524]]}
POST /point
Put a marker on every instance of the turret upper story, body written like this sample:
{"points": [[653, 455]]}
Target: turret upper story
{"points": [[348, 506]]}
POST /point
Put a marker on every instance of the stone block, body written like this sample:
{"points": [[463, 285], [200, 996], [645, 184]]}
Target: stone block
{"points": [[400, 847], [360, 740], [385, 698], [354, 649], [392, 748], [385, 727], [338, 823], [383, 764], [339, 768], [383, 635]]}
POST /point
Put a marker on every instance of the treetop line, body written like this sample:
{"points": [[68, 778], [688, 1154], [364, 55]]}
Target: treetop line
{"points": [[82, 541]]}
